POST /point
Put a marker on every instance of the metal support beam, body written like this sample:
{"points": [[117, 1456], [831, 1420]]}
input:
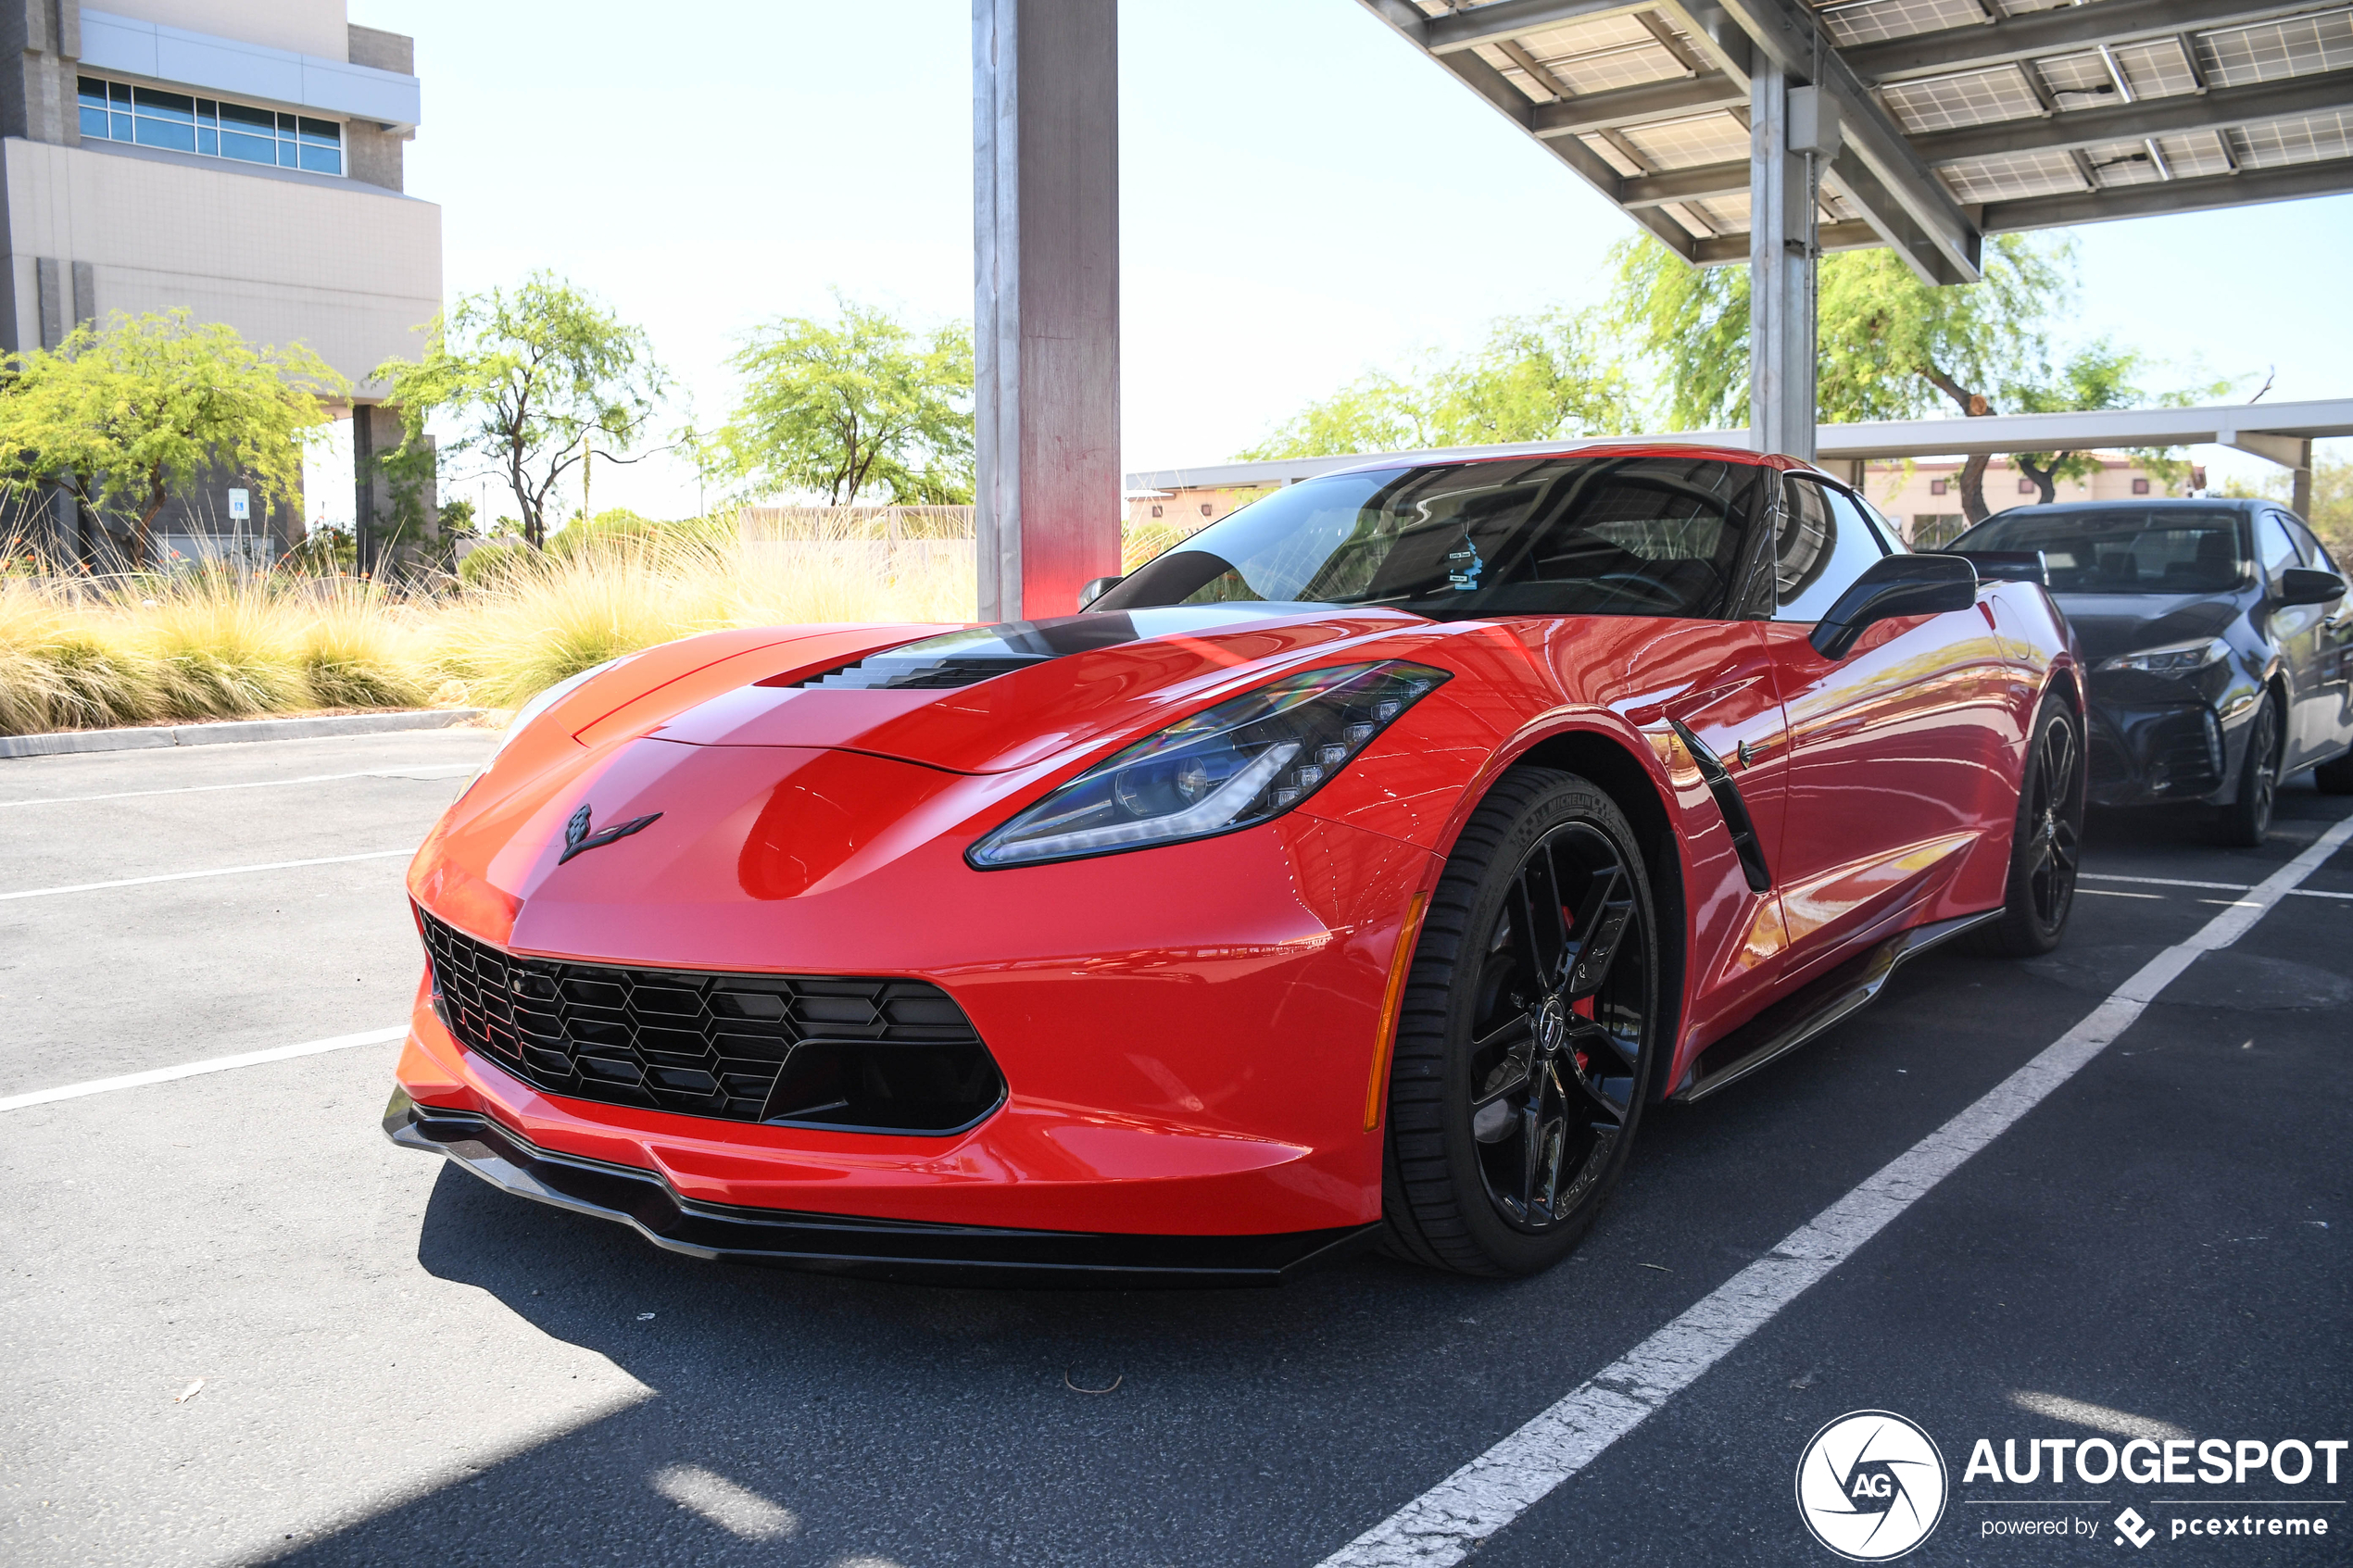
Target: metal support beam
{"points": [[2063, 30], [1733, 250], [1787, 34], [1637, 106], [1780, 277], [2248, 188], [1046, 301], [1513, 105], [1499, 20], [2212, 110], [2300, 485]]}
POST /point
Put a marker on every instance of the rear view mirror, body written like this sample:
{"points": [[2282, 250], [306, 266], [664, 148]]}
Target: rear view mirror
{"points": [[2011, 566], [2303, 586], [1927, 584], [1096, 588]]}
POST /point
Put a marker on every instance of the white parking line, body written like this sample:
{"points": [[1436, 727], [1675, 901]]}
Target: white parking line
{"points": [[217, 870], [420, 770], [1447, 1522], [2169, 882], [2164, 882], [194, 1069]]}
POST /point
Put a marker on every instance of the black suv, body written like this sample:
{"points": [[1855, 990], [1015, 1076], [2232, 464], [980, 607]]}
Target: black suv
{"points": [[2219, 640]]}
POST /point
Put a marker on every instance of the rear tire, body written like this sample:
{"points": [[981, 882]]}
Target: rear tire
{"points": [[2335, 778], [2047, 842], [1530, 1030], [2246, 822]]}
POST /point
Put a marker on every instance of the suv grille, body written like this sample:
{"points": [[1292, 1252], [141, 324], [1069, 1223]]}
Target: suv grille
{"points": [[812, 1050]]}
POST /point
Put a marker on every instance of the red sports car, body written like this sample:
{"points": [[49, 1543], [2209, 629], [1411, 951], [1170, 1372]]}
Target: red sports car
{"points": [[1360, 869]]}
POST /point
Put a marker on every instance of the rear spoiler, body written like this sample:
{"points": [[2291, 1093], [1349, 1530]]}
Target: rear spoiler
{"points": [[2014, 566]]}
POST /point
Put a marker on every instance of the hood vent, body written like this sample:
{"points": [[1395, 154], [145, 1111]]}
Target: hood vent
{"points": [[885, 672]]}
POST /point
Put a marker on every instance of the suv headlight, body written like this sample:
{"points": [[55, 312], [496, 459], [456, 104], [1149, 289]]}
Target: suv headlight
{"points": [[2174, 659], [1232, 765]]}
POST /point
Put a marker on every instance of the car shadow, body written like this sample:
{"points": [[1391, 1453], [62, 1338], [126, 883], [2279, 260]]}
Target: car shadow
{"points": [[854, 1421]]}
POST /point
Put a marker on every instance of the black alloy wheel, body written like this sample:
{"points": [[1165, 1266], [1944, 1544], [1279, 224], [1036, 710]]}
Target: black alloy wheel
{"points": [[2047, 845], [1529, 1028], [2246, 821]]}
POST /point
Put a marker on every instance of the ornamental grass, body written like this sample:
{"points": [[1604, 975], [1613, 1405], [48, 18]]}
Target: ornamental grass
{"points": [[84, 653]]}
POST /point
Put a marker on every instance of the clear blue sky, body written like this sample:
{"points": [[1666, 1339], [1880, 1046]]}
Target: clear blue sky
{"points": [[1302, 197]]}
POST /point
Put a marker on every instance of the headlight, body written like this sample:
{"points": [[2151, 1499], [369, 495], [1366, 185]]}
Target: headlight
{"points": [[546, 699], [2174, 659], [1231, 766]]}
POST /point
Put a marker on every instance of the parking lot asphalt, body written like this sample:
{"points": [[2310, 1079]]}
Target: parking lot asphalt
{"points": [[392, 1362]]}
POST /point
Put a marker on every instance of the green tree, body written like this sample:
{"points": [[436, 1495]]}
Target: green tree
{"points": [[537, 380], [1891, 348], [1534, 378], [123, 415], [845, 406]]}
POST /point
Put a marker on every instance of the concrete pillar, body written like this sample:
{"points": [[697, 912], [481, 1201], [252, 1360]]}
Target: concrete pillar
{"points": [[2300, 482], [1781, 250], [1046, 301]]}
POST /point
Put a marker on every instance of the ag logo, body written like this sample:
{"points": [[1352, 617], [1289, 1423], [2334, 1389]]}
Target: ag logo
{"points": [[1870, 1485]]}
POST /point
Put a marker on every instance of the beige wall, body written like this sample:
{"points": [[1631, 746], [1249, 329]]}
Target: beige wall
{"points": [[347, 267], [307, 27], [1909, 493]]}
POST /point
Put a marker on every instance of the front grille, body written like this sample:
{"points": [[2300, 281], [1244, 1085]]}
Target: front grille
{"points": [[808, 1051]]}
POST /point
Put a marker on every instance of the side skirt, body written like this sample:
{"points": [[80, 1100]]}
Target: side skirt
{"points": [[1796, 1019]]}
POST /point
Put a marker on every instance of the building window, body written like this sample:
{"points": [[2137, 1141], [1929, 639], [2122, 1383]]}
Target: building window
{"points": [[2026, 487], [151, 118], [1155, 511], [2139, 487], [1204, 509], [1939, 486]]}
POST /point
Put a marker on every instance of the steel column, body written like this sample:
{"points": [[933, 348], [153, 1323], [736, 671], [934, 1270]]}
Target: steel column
{"points": [[1046, 301], [1780, 276]]}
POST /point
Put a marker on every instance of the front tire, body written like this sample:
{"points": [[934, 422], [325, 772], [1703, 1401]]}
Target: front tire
{"points": [[1530, 1025], [2246, 822], [2046, 846]]}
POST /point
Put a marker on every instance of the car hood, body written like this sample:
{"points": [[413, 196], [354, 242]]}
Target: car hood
{"points": [[992, 699], [2107, 624]]}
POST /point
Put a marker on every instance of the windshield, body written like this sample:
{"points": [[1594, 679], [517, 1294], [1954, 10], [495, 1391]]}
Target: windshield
{"points": [[2123, 550], [1601, 536]]}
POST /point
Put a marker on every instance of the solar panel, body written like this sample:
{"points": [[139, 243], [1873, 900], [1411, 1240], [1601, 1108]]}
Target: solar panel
{"points": [[1875, 21], [2305, 138], [2277, 51], [1688, 143], [1947, 102], [1613, 87], [2008, 176]]}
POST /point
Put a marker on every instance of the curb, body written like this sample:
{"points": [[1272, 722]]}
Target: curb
{"points": [[147, 736]]}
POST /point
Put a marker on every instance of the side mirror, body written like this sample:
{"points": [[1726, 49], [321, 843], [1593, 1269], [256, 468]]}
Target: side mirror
{"points": [[2303, 586], [2012, 565], [1097, 588], [1924, 585]]}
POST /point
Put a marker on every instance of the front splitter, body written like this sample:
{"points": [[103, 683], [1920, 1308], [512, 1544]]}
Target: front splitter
{"points": [[907, 1251]]}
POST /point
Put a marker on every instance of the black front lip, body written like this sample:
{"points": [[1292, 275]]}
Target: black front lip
{"points": [[904, 1250]]}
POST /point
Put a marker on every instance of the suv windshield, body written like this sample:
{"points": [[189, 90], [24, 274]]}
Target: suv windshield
{"points": [[1600, 535], [2120, 550]]}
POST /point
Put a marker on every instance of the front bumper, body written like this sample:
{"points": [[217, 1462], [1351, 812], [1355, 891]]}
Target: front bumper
{"points": [[2146, 754], [901, 1251]]}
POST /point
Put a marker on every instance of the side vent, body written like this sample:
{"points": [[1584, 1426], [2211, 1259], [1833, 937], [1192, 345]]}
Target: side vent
{"points": [[1735, 810]]}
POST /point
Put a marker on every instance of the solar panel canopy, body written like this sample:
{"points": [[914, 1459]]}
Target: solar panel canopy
{"points": [[1959, 117]]}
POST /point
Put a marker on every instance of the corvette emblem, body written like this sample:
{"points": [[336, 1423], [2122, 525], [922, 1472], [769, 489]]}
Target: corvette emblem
{"points": [[578, 840]]}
